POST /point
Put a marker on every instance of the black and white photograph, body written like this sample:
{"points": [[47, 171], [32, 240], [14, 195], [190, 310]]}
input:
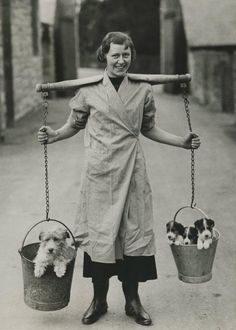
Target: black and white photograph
{"points": [[118, 164]]}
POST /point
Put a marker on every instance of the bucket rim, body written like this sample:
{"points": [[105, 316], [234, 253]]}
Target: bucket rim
{"points": [[193, 245], [22, 255], [48, 220]]}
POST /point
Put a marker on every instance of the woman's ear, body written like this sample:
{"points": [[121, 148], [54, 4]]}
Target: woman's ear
{"points": [[100, 55]]}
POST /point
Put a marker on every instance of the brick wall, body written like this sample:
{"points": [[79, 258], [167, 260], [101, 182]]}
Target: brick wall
{"points": [[212, 78], [27, 66]]}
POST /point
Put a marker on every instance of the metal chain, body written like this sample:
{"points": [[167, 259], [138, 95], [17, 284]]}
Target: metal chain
{"points": [[186, 106], [45, 113]]}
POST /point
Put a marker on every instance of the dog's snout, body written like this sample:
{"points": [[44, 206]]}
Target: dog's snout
{"points": [[50, 250]]}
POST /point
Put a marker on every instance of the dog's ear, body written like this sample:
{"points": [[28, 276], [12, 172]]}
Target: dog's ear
{"points": [[180, 228], [194, 230], [197, 223], [66, 234], [211, 223], [41, 235]]}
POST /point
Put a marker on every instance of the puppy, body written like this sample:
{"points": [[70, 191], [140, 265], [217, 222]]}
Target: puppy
{"points": [[174, 232], [53, 250], [190, 235], [205, 232]]}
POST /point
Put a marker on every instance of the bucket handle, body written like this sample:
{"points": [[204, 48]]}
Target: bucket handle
{"points": [[190, 207], [74, 241]]}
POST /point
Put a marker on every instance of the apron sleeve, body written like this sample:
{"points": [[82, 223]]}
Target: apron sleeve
{"points": [[79, 111], [149, 111]]}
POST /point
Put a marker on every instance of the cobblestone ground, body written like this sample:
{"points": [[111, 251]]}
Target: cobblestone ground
{"points": [[173, 304]]}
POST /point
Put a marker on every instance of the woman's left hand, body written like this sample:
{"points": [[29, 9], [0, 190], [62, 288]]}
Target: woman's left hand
{"points": [[192, 141]]}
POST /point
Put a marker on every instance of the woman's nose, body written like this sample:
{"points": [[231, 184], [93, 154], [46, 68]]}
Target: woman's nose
{"points": [[120, 59]]}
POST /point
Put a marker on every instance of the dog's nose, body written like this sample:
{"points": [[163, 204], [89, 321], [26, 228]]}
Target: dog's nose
{"points": [[50, 250]]}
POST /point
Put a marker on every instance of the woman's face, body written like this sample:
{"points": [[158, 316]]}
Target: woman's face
{"points": [[118, 60]]}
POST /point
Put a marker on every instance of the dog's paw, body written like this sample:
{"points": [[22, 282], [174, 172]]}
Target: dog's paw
{"points": [[60, 270], [199, 245], [39, 271], [207, 244]]}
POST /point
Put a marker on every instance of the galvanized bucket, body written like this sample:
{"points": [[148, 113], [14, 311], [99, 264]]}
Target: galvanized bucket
{"points": [[49, 292], [193, 265]]}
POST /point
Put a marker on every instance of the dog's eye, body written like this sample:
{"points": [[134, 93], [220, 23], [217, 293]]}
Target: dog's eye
{"points": [[55, 239]]}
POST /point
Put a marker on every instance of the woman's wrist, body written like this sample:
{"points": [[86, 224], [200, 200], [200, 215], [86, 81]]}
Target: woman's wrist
{"points": [[54, 138], [182, 142]]}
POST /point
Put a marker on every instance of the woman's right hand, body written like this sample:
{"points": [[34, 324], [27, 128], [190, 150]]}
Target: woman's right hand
{"points": [[46, 135]]}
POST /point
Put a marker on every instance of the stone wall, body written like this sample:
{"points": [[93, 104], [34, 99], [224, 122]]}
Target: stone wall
{"points": [[26, 62], [213, 78]]}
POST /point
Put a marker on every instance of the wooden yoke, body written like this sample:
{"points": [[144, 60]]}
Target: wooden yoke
{"points": [[152, 79]]}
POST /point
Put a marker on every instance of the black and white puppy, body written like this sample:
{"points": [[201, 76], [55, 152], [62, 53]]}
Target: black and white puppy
{"points": [[190, 235], [174, 232], [205, 232]]}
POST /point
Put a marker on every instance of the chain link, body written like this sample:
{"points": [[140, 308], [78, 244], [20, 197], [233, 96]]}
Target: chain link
{"points": [[186, 106], [45, 113]]}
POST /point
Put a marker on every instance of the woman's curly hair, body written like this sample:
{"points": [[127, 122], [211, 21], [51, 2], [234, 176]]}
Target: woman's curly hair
{"points": [[119, 38]]}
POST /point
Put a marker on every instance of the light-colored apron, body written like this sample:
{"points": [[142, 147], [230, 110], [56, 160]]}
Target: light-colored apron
{"points": [[115, 215]]}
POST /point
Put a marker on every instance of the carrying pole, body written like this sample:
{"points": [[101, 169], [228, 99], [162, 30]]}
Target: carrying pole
{"points": [[152, 79]]}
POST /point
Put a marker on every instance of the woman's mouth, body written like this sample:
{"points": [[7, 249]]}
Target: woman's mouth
{"points": [[120, 68]]}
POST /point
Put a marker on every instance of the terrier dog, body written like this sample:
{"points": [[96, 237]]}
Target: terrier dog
{"points": [[174, 232], [190, 235], [53, 250], [205, 232]]}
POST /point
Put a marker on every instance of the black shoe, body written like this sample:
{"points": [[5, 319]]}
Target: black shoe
{"points": [[136, 310], [94, 312]]}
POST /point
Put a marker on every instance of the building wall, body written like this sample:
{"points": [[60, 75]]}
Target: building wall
{"points": [[26, 55], [66, 49], [173, 42], [234, 82], [213, 78], [48, 53], [2, 103]]}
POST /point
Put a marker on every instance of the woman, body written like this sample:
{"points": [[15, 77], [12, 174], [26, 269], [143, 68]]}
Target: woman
{"points": [[114, 225]]}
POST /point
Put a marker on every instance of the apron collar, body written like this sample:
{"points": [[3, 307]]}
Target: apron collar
{"points": [[106, 79], [117, 100], [123, 90]]}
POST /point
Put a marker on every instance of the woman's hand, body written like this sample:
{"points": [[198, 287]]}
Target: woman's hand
{"points": [[192, 141], [46, 135]]}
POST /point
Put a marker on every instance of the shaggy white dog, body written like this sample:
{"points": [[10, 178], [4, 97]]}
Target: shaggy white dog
{"points": [[53, 250]]}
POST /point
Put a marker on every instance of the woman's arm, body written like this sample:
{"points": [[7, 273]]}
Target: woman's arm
{"points": [[191, 141], [48, 135]]}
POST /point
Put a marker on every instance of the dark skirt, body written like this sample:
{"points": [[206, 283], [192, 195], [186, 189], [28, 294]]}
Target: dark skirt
{"points": [[138, 269]]}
